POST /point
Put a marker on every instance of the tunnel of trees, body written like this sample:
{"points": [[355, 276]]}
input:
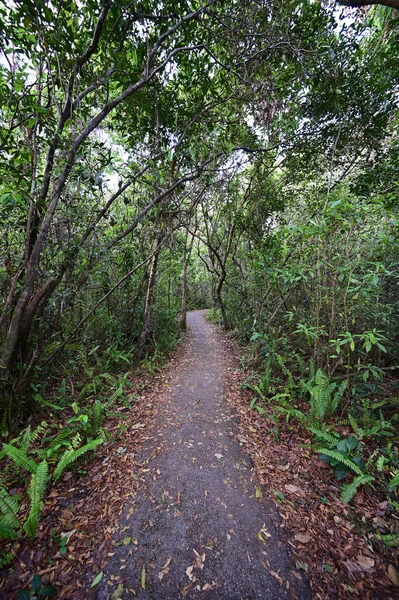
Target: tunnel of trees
{"points": [[230, 155]]}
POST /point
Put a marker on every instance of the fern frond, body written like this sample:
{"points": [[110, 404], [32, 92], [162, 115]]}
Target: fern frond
{"points": [[291, 412], [98, 414], [380, 464], [343, 459], [389, 539], [6, 532], [349, 490], [59, 442], [394, 482], [38, 431], [36, 493], [71, 455], [323, 434], [358, 430], [20, 458], [76, 440], [371, 458], [338, 396], [319, 395], [9, 506], [26, 439]]}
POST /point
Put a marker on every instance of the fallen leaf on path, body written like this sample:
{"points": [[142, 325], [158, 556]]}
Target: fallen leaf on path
{"points": [[189, 572], [291, 488], [276, 576], [97, 579], [301, 565], [208, 586], [393, 575], [258, 492], [362, 564], [167, 563], [143, 577], [118, 593], [303, 538]]}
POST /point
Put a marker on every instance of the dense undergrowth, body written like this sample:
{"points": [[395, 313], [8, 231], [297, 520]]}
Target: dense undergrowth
{"points": [[69, 423], [321, 335]]}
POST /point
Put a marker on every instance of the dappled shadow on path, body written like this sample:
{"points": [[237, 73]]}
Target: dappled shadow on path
{"points": [[196, 528]]}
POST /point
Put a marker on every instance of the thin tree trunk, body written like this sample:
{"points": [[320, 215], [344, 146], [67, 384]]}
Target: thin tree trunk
{"points": [[138, 353], [184, 294], [220, 302]]}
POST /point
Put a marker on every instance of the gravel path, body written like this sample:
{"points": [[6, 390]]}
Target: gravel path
{"points": [[196, 529]]}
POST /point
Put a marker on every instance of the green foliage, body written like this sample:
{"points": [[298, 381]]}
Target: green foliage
{"points": [[391, 540], [394, 483], [350, 490], [37, 591], [337, 458], [9, 521], [71, 455], [324, 396], [35, 493], [6, 559], [20, 458]]}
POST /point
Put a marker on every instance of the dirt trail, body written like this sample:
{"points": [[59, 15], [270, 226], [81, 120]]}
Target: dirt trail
{"points": [[196, 527]]}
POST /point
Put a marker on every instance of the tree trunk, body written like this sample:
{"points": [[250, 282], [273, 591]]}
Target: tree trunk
{"points": [[184, 294], [220, 302], [138, 353]]}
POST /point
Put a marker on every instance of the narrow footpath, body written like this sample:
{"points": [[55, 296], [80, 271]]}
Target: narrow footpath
{"points": [[198, 528]]}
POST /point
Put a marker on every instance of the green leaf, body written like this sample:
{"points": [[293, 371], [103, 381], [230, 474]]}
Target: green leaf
{"points": [[97, 579], [36, 583], [143, 577], [48, 591], [348, 491], [341, 471], [35, 492]]}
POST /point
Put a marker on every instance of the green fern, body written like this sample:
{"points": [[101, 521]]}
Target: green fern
{"points": [[72, 454], [36, 493], [380, 464], [9, 507], [291, 412], [29, 436], [394, 482], [323, 434], [358, 430], [349, 490], [6, 558], [338, 396], [97, 416], [59, 442], [340, 458], [389, 539], [371, 459], [319, 395], [26, 439], [6, 532], [20, 458]]}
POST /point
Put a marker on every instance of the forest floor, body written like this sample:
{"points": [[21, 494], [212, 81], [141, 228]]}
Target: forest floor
{"points": [[196, 497]]}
